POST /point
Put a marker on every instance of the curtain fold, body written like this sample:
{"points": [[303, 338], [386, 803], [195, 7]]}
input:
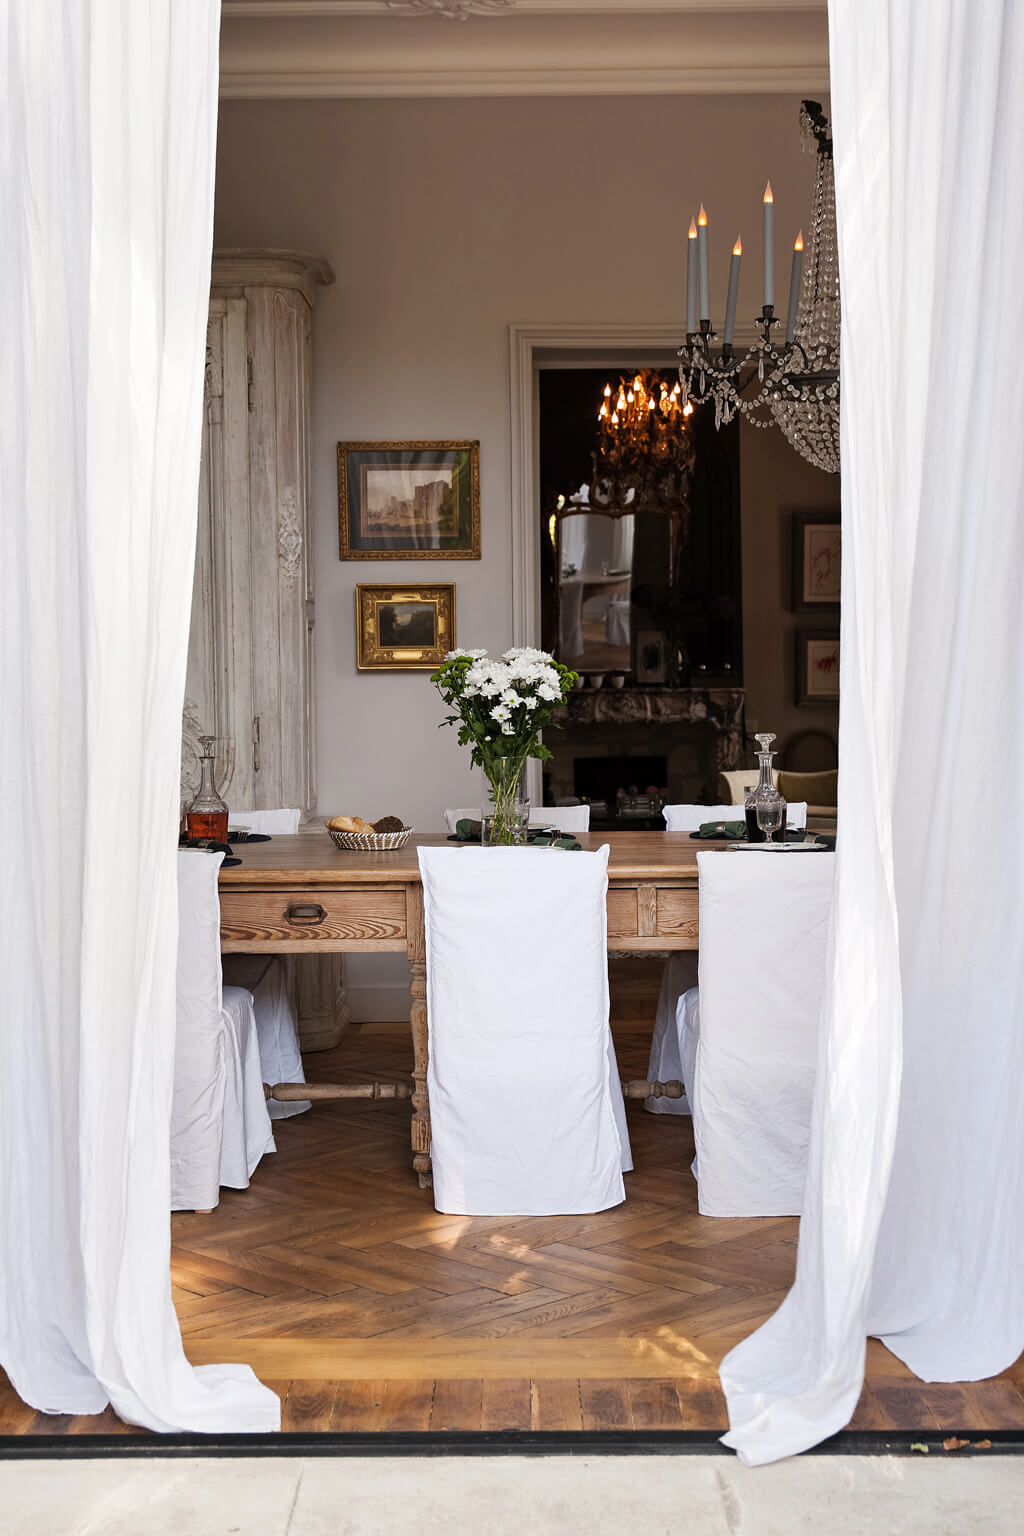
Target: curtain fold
{"points": [[912, 1227], [106, 243]]}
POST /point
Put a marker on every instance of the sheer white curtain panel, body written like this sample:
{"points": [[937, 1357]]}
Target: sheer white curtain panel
{"points": [[111, 120], [912, 1228]]}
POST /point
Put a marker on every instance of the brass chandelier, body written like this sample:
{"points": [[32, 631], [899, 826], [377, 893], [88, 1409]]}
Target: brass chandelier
{"points": [[645, 448]]}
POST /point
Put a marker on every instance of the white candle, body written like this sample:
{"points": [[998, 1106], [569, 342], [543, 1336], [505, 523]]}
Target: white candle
{"points": [[769, 249], [734, 288], [691, 279], [702, 252], [794, 285]]}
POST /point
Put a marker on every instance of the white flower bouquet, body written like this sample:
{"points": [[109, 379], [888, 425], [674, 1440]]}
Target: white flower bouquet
{"points": [[500, 708]]}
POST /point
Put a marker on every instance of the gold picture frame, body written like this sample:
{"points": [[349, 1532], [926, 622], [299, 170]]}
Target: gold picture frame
{"points": [[403, 627], [409, 501]]}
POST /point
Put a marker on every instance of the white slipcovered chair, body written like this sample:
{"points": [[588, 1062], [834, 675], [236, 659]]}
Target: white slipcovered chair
{"points": [[690, 818], [747, 1035], [526, 1106], [616, 622], [271, 980], [567, 818], [220, 1127]]}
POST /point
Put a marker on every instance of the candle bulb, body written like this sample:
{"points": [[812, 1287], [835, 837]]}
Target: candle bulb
{"points": [[794, 286], [769, 249], [734, 288], [702, 253], [691, 279]]}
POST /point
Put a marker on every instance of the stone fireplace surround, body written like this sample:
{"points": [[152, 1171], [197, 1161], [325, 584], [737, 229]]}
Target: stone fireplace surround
{"points": [[699, 732]]}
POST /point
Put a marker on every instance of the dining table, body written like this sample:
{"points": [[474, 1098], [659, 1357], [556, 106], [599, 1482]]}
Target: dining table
{"points": [[303, 895]]}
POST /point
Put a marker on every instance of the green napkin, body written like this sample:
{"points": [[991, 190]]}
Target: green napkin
{"points": [[733, 830], [468, 831]]}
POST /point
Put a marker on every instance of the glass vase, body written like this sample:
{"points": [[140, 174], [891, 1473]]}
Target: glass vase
{"points": [[504, 810]]}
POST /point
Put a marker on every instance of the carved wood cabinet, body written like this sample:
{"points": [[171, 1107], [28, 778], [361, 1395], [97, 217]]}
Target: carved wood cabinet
{"points": [[250, 680]]}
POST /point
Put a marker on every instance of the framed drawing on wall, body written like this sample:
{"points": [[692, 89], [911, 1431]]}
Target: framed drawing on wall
{"points": [[404, 628], [817, 561], [817, 666], [409, 501]]}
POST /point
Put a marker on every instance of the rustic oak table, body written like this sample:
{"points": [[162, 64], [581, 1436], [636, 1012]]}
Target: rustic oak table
{"points": [[299, 895]]}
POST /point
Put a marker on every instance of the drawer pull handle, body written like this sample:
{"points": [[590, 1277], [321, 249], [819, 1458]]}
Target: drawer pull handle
{"points": [[306, 914]]}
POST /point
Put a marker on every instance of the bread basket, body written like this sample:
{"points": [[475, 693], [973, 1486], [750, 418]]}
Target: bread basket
{"points": [[370, 842]]}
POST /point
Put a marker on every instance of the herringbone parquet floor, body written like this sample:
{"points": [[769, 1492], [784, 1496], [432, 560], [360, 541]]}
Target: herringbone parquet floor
{"points": [[333, 1276]]}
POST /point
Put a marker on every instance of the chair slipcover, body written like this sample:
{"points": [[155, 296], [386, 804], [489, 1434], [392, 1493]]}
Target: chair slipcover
{"points": [[567, 818], [220, 1127], [525, 1101], [748, 1044], [616, 622], [666, 1063], [271, 980], [690, 818]]}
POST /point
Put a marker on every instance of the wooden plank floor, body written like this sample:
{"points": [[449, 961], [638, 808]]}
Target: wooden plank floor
{"points": [[365, 1309]]}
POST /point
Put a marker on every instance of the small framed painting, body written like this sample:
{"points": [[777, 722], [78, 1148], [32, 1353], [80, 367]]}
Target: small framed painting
{"points": [[409, 501], [817, 561], [817, 666], [404, 628]]}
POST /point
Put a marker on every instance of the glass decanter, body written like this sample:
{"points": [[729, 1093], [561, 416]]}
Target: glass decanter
{"points": [[206, 815], [764, 808]]}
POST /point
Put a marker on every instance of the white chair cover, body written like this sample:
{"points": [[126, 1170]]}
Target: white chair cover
{"points": [[525, 1101], [567, 818], [749, 1050], [690, 818], [271, 980], [616, 622], [283, 822], [666, 1063], [220, 1127]]}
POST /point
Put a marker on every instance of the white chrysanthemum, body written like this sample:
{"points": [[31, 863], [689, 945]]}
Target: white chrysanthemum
{"points": [[506, 728], [458, 654], [550, 692], [526, 653]]}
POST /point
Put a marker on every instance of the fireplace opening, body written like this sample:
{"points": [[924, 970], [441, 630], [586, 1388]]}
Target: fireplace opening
{"points": [[622, 791]]}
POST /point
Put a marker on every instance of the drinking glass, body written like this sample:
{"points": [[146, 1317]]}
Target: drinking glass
{"points": [[770, 811]]}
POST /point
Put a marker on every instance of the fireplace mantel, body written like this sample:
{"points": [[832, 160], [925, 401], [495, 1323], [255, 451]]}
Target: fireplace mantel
{"points": [[720, 709]]}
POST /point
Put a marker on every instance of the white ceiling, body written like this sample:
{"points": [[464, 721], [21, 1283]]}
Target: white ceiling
{"points": [[295, 48]]}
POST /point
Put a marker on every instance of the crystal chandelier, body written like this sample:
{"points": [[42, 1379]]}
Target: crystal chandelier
{"points": [[797, 377], [645, 449]]}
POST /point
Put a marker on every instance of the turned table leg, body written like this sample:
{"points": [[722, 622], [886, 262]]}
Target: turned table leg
{"points": [[420, 1047]]}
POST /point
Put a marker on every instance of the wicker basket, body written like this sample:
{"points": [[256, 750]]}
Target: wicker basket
{"points": [[370, 842]]}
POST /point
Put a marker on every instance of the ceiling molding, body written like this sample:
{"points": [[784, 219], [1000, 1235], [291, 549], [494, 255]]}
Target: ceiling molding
{"points": [[616, 53], [295, 8], [655, 81]]}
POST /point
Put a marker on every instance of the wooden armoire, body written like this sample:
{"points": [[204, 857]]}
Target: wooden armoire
{"points": [[250, 681]]}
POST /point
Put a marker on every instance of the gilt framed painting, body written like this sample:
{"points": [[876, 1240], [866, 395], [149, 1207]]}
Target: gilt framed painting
{"points": [[817, 562], [404, 628], [409, 501]]}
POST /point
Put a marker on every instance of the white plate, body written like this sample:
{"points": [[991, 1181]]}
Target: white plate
{"points": [[814, 847]]}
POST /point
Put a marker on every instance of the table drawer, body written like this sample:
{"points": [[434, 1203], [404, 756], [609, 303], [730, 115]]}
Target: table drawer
{"points": [[364, 918]]}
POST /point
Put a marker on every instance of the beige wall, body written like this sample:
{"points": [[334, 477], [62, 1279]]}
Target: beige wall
{"points": [[445, 220]]}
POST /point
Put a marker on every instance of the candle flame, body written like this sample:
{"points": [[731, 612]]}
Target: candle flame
{"points": [[768, 196], [602, 412], [607, 391], [693, 231], [702, 217], [615, 418], [798, 243], [737, 249], [688, 408]]}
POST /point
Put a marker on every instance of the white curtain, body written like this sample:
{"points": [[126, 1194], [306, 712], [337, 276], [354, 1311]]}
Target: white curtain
{"points": [[108, 207], [914, 1216]]}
